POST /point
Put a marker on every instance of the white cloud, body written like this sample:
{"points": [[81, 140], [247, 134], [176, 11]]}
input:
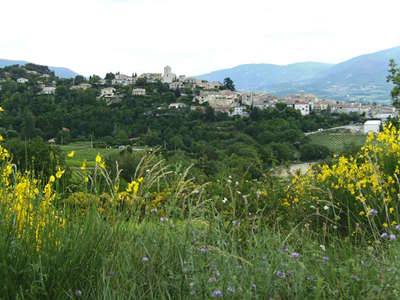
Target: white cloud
{"points": [[192, 36]]}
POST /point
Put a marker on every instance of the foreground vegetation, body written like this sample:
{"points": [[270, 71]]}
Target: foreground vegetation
{"points": [[162, 234]]}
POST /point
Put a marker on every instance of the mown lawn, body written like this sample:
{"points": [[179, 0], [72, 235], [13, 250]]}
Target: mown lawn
{"points": [[84, 151], [336, 142]]}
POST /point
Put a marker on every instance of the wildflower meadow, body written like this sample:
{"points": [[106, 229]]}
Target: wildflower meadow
{"points": [[85, 233]]}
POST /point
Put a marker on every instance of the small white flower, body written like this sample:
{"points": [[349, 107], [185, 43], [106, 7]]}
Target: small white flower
{"points": [[322, 247], [326, 207], [224, 200]]}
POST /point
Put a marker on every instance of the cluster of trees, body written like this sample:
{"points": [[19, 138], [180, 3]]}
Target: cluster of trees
{"points": [[213, 141]]}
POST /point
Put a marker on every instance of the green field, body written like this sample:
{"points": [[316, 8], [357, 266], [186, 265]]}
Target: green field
{"points": [[337, 141], [84, 151]]}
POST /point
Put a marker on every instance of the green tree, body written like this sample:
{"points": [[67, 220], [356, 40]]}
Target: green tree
{"points": [[394, 77], [228, 84], [94, 79], [79, 79]]}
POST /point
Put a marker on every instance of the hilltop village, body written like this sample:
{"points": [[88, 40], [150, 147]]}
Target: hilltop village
{"points": [[222, 98]]}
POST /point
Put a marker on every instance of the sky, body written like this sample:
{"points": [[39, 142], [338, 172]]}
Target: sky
{"points": [[193, 37]]}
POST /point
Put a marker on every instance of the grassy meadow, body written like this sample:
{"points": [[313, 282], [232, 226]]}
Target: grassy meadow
{"points": [[336, 141], [84, 151]]}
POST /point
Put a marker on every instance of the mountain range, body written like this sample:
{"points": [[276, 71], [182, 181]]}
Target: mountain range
{"points": [[58, 71], [362, 78]]}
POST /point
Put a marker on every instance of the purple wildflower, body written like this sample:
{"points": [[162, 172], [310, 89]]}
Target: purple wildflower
{"points": [[163, 219], [372, 212], [295, 254], [384, 235], [145, 259], [325, 258], [392, 237], [280, 274], [397, 227], [217, 294]]}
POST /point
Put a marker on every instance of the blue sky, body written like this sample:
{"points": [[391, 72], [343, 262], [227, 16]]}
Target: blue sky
{"points": [[194, 37]]}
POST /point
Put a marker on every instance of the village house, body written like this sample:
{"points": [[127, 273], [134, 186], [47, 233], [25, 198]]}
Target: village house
{"points": [[82, 86], [346, 108], [121, 79], [221, 96], [320, 105], [32, 72], [177, 106], [258, 100], [151, 77], [176, 85], [138, 92], [303, 107], [22, 80], [108, 92], [373, 126], [238, 111], [48, 90], [168, 76]]}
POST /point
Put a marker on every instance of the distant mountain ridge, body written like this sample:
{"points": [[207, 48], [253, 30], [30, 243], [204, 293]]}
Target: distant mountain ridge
{"points": [[361, 78], [58, 71]]}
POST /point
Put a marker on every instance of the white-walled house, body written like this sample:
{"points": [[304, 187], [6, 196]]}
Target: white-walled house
{"points": [[22, 80], [138, 92], [176, 85], [121, 79], [373, 126], [108, 92], [238, 111], [301, 106], [82, 86], [177, 105], [48, 90]]}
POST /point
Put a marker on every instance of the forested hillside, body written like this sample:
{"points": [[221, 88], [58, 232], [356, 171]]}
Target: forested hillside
{"points": [[213, 141]]}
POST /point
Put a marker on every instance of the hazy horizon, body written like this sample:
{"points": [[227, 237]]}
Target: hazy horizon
{"points": [[95, 37]]}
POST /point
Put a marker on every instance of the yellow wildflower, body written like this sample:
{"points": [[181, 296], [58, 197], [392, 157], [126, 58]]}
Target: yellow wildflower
{"points": [[391, 210], [83, 167], [71, 154], [59, 173]]}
